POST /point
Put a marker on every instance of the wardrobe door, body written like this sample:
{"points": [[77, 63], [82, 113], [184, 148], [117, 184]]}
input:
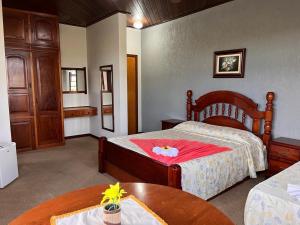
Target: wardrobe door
{"points": [[44, 31], [46, 74], [20, 97], [22, 132], [16, 28]]}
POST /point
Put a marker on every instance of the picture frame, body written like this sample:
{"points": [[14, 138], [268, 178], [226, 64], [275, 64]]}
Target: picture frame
{"points": [[229, 63]]}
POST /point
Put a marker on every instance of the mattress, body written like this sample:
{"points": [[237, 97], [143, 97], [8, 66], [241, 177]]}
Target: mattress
{"points": [[269, 202], [207, 176]]}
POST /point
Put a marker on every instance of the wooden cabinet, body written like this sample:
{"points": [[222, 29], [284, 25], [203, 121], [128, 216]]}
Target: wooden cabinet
{"points": [[283, 153], [16, 28], [44, 31], [46, 75], [22, 132], [20, 98], [71, 112], [168, 124], [19, 82], [34, 81]]}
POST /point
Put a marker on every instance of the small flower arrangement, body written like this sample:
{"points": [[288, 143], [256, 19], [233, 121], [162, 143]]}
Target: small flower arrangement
{"points": [[166, 151], [111, 199]]}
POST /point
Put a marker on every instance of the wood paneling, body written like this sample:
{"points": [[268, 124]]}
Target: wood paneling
{"points": [[46, 74], [20, 98], [132, 93], [33, 74], [22, 133], [86, 12], [19, 103], [44, 31], [18, 69], [16, 28], [49, 129], [48, 96]]}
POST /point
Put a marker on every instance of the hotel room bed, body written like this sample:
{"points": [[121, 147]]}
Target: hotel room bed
{"points": [[210, 175], [270, 203], [205, 176]]}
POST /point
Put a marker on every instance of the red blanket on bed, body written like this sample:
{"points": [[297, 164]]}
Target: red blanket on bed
{"points": [[188, 150]]}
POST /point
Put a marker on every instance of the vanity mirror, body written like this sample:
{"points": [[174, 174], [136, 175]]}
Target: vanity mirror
{"points": [[107, 98], [74, 80]]}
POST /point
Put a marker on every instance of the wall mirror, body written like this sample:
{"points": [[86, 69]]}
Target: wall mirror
{"points": [[107, 98], [74, 80]]}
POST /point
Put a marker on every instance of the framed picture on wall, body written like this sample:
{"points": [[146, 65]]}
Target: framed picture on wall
{"points": [[229, 63]]}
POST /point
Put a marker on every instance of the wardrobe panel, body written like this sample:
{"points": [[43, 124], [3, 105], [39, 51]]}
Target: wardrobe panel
{"points": [[22, 132], [46, 74], [33, 76], [16, 27], [44, 31], [17, 69], [19, 81], [19, 103], [20, 98], [49, 129]]}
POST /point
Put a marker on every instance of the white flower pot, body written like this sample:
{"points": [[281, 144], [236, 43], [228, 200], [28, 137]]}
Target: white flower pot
{"points": [[112, 217]]}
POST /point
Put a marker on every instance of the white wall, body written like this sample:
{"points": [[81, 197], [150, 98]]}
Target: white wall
{"points": [[5, 135], [134, 47], [73, 48], [106, 44], [178, 55]]}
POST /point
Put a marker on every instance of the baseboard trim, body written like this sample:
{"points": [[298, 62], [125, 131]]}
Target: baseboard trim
{"points": [[81, 135], [94, 136]]}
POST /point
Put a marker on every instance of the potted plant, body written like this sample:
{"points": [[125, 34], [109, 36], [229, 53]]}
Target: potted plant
{"points": [[111, 209]]}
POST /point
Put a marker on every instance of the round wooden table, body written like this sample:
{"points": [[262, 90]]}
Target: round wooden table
{"points": [[172, 205]]}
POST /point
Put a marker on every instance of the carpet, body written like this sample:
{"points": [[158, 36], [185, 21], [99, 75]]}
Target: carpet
{"points": [[47, 173]]}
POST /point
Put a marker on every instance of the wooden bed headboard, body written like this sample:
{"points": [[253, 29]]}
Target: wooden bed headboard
{"points": [[231, 109]]}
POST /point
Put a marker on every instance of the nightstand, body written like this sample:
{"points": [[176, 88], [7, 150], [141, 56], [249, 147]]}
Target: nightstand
{"points": [[283, 153], [168, 124]]}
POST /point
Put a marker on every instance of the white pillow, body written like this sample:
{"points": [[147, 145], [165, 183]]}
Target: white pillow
{"points": [[219, 132]]}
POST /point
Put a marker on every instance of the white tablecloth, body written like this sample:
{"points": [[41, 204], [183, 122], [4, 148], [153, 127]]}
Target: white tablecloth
{"points": [[133, 212]]}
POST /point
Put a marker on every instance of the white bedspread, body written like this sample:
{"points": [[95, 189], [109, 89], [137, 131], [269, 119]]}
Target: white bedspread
{"points": [[205, 177], [269, 203]]}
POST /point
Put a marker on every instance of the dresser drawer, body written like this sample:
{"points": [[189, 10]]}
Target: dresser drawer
{"points": [[80, 111], [281, 152], [276, 166]]}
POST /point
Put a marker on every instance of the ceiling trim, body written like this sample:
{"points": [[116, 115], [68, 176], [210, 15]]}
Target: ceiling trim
{"points": [[106, 16], [70, 24]]}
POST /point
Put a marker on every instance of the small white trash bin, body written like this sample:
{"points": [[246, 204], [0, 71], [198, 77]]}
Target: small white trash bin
{"points": [[8, 163]]}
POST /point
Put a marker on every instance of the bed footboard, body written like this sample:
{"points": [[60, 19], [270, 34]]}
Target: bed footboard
{"points": [[123, 163]]}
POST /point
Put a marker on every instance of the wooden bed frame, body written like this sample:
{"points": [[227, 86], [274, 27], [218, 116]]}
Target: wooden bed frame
{"points": [[223, 108]]}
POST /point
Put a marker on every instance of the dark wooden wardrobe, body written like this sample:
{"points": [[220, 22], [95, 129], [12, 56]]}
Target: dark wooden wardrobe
{"points": [[34, 80]]}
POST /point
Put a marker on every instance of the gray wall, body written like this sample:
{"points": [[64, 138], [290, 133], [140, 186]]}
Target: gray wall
{"points": [[178, 56]]}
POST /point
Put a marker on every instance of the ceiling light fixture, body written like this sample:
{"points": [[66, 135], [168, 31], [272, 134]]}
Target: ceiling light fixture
{"points": [[138, 24]]}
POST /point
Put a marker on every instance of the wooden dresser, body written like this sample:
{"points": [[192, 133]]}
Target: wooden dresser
{"points": [[170, 123], [283, 153], [71, 112], [34, 81]]}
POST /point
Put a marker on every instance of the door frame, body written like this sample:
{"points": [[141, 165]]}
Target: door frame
{"points": [[136, 88]]}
